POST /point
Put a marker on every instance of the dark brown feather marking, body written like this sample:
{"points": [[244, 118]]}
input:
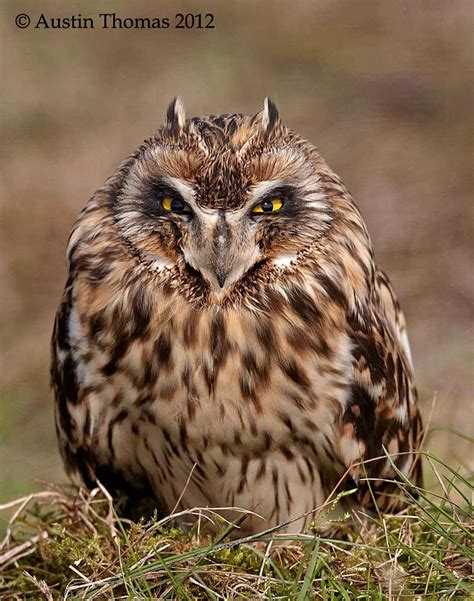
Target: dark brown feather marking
{"points": [[295, 372]]}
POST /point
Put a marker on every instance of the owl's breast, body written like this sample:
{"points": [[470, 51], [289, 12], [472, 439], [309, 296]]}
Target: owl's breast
{"points": [[230, 378]]}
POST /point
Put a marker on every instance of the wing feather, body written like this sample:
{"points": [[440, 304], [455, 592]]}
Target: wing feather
{"points": [[73, 445], [382, 414]]}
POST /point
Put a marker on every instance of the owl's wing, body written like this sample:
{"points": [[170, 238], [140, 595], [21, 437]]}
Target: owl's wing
{"points": [[393, 313], [382, 414], [69, 412]]}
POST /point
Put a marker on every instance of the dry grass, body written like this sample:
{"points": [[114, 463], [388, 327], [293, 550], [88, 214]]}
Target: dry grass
{"points": [[71, 544]]}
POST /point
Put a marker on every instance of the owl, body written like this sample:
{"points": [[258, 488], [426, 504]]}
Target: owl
{"points": [[225, 338]]}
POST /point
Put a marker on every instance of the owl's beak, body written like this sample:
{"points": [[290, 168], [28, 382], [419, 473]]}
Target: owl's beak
{"points": [[232, 257], [227, 267], [214, 270], [222, 264], [222, 254], [221, 278]]}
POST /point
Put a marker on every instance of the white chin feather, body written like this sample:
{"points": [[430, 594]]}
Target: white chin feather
{"points": [[159, 262], [284, 260]]}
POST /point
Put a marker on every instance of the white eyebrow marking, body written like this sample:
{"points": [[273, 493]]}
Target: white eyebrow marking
{"points": [[181, 186], [264, 188]]}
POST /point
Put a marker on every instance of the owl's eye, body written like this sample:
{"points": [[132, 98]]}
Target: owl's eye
{"points": [[272, 205], [176, 205]]}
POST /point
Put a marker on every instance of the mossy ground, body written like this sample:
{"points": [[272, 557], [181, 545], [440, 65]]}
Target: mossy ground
{"points": [[65, 543]]}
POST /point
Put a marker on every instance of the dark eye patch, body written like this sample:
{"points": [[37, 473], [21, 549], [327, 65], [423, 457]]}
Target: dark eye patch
{"points": [[287, 194], [154, 191]]}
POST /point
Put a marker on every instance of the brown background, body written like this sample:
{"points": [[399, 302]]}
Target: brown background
{"points": [[384, 89]]}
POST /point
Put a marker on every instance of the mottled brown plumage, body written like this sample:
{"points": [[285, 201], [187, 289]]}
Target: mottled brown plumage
{"points": [[225, 338]]}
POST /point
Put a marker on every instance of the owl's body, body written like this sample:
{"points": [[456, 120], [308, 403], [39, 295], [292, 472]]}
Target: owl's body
{"points": [[225, 338]]}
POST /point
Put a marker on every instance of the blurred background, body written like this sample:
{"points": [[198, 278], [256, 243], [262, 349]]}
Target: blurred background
{"points": [[384, 89]]}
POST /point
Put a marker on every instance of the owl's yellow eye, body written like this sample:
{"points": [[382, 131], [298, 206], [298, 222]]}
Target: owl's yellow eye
{"points": [[175, 205], [272, 205]]}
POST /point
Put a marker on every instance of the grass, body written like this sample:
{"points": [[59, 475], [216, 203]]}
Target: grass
{"points": [[68, 543]]}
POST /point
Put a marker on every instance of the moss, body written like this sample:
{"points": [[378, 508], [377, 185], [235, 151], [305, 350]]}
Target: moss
{"points": [[74, 540]]}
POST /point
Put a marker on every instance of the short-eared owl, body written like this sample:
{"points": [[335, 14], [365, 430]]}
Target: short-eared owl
{"points": [[225, 338]]}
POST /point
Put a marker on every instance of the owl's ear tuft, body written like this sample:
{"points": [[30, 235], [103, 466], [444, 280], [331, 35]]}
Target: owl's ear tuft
{"points": [[270, 115], [175, 115]]}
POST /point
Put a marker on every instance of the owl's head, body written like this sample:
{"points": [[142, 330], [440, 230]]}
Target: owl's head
{"points": [[223, 202]]}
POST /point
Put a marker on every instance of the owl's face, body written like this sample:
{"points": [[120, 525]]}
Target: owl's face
{"points": [[224, 201]]}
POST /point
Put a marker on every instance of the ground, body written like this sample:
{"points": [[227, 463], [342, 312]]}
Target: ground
{"points": [[71, 544]]}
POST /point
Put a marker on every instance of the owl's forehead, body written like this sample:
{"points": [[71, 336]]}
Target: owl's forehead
{"points": [[222, 180], [221, 177]]}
